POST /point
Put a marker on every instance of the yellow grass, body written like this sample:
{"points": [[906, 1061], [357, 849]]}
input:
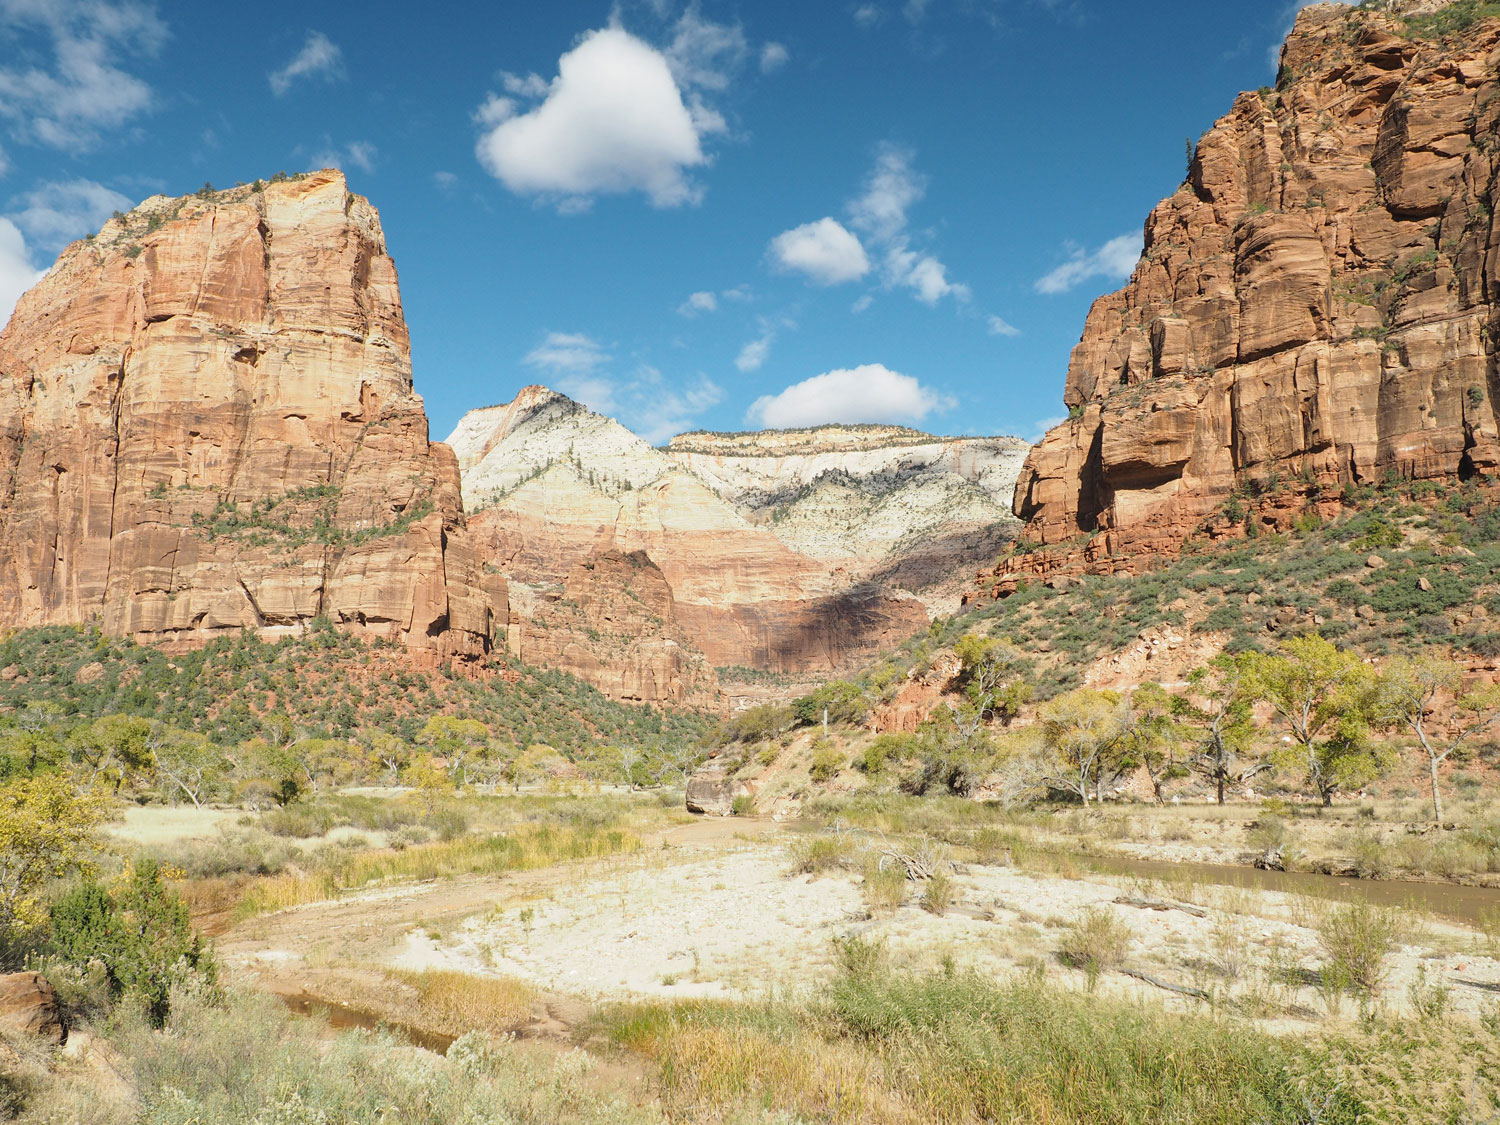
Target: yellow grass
{"points": [[525, 849], [454, 1003]]}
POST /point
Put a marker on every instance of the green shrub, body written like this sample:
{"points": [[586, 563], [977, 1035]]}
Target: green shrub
{"points": [[1356, 939], [1094, 941]]}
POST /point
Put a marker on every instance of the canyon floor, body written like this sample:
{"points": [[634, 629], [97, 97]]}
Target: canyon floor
{"points": [[712, 909]]}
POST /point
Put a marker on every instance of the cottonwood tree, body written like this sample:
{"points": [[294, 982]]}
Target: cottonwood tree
{"points": [[992, 676], [189, 762], [1152, 737], [111, 750], [1218, 707], [457, 740], [1329, 700], [1083, 737], [1412, 690], [46, 831]]}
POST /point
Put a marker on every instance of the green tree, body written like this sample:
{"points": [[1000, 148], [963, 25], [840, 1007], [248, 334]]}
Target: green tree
{"points": [[457, 740], [1411, 692], [1218, 708], [1152, 737], [991, 674], [112, 750], [139, 931], [187, 763], [46, 831], [1329, 700], [1084, 738], [842, 701]]}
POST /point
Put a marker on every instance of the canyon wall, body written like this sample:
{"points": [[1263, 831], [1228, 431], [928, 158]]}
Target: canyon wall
{"points": [[1316, 306], [207, 424], [796, 553]]}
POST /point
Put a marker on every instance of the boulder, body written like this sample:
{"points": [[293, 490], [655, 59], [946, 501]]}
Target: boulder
{"points": [[712, 792], [28, 1004]]}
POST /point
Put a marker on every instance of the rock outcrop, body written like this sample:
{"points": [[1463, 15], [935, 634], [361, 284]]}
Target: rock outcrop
{"points": [[789, 553], [551, 486], [28, 1005], [1316, 307], [207, 424]]}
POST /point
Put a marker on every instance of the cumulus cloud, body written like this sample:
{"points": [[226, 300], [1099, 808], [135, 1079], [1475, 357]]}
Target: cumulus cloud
{"points": [[703, 53], [320, 57], [868, 393], [826, 251], [773, 56], [613, 121], [753, 355], [999, 326], [570, 354], [17, 274], [82, 89], [1115, 260], [54, 214], [696, 303], [892, 188]]}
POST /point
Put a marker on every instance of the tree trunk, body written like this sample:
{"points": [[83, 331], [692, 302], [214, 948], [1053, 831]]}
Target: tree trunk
{"points": [[1221, 786], [1437, 800]]}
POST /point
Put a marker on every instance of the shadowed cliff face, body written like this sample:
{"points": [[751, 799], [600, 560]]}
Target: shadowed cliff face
{"points": [[207, 423], [1316, 306]]}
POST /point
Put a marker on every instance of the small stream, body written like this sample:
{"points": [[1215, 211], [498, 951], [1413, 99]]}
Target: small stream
{"points": [[1457, 903], [341, 1017]]}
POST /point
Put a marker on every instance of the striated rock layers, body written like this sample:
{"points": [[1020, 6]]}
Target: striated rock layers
{"points": [[773, 551], [209, 425], [1317, 306]]}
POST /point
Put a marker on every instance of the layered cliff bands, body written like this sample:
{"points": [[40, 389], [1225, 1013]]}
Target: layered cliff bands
{"points": [[1316, 306], [207, 423], [790, 553]]}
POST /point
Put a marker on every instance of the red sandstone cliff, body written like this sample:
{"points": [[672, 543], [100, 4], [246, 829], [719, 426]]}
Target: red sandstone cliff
{"points": [[207, 423], [1317, 305]]}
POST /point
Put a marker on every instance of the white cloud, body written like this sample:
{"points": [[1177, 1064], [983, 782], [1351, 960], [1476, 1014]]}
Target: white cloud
{"points": [[915, 11], [444, 180], [696, 303], [320, 57], [999, 326], [83, 90], [868, 15], [656, 411], [1115, 260], [862, 304], [703, 53], [923, 274], [773, 56], [890, 190], [356, 154], [613, 121], [753, 355], [569, 354], [529, 86], [1040, 428], [869, 393], [56, 213], [17, 274], [826, 251]]}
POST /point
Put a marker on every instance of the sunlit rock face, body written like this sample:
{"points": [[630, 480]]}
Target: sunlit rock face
{"points": [[790, 552], [1315, 306], [209, 425]]}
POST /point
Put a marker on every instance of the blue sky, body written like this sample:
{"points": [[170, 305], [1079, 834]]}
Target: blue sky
{"points": [[708, 214]]}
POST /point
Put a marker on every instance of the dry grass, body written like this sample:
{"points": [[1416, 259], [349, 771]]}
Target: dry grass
{"points": [[523, 850], [454, 1003]]}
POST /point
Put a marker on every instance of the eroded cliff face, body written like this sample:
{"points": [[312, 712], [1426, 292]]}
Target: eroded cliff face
{"points": [[790, 553], [207, 423], [1316, 306]]}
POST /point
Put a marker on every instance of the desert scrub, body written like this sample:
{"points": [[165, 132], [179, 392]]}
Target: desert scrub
{"points": [[817, 855], [249, 1062], [884, 888], [950, 1047], [1355, 939], [937, 894], [1094, 941], [522, 850]]}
